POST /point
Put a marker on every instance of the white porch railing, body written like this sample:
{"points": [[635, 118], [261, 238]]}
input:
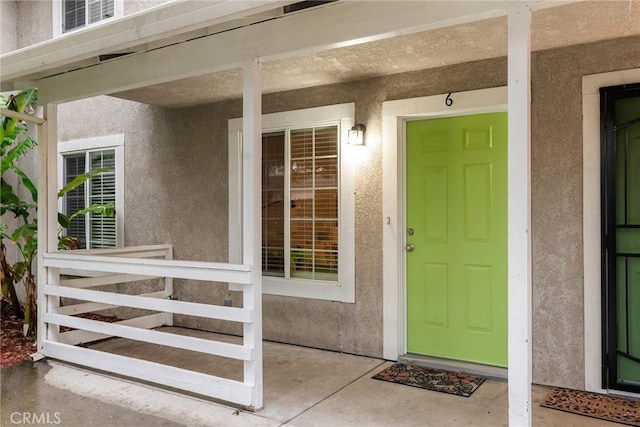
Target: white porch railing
{"points": [[127, 265]]}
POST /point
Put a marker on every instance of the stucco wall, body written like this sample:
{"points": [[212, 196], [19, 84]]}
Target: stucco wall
{"points": [[8, 21], [176, 174], [33, 22]]}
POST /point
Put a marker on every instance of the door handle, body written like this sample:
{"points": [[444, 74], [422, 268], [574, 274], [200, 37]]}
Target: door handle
{"points": [[409, 247]]}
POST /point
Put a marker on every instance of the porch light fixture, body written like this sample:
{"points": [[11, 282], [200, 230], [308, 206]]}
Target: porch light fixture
{"points": [[356, 134]]}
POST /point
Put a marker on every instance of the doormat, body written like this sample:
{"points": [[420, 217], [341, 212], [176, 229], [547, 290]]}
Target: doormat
{"points": [[457, 383], [594, 405]]}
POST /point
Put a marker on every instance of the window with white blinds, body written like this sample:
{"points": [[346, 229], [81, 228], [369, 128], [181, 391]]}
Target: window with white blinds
{"points": [[93, 230], [74, 14], [308, 202], [81, 156], [300, 203], [102, 190]]}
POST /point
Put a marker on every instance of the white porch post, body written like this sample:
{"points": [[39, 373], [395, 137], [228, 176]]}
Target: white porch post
{"points": [[251, 220], [519, 214], [47, 216]]}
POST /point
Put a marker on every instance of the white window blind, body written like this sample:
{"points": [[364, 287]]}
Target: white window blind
{"points": [[313, 177], [78, 13], [273, 204], [300, 203], [102, 190], [100, 9], [93, 230]]}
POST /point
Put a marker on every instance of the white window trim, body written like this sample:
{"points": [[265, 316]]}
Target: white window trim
{"points": [[106, 142], [394, 116], [344, 289], [118, 11], [591, 231]]}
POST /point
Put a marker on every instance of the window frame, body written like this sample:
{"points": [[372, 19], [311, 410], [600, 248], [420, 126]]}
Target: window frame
{"points": [[107, 142], [341, 115], [58, 20]]}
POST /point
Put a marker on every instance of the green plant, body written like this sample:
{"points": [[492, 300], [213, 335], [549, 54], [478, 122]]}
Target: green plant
{"points": [[15, 144]]}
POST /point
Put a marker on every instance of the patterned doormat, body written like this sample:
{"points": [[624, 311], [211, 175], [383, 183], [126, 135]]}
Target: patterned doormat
{"points": [[594, 405], [457, 383]]}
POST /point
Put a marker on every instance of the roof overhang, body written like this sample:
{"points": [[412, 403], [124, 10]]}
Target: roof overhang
{"points": [[147, 30], [180, 43], [189, 38]]}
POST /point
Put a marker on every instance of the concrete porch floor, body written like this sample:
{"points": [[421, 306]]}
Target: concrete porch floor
{"points": [[303, 387]]}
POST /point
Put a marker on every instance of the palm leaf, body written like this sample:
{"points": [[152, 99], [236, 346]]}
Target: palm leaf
{"points": [[10, 202], [24, 231], [16, 103], [26, 181], [20, 101], [108, 209], [63, 220], [80, 179], [21, 149], [9, 132]]}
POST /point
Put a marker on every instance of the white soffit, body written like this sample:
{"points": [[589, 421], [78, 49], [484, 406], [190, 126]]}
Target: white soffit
{"points": [[331, 26], [552, 27]]}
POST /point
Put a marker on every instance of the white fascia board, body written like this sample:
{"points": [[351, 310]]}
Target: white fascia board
{"points": [[333, 26], [146, 26]]}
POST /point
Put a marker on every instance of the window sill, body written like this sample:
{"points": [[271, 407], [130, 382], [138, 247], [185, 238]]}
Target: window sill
{"points": [[300, 288]]}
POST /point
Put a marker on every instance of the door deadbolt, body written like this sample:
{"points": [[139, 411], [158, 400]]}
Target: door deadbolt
{"points": [[410, 231]]}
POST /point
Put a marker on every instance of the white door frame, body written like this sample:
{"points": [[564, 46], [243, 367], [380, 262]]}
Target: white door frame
{"points": [[592, 240], [394, 116]]}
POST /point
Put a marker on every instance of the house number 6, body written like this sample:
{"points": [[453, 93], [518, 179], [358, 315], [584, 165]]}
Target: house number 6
{"points": [[448, 100]]}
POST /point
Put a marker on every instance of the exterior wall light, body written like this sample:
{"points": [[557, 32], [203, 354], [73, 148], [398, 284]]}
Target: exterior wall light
{"points": [[356, 134]]}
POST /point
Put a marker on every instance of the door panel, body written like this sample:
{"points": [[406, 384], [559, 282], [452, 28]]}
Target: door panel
{"points": [[621, 238], [457, 208]]}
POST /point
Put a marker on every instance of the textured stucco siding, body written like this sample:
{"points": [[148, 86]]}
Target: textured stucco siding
{"points": [[176, 180], [8, 23], [33, 22]]}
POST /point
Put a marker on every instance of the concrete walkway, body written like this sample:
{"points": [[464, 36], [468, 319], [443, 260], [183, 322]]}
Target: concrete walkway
{"points": [[303, 388]]}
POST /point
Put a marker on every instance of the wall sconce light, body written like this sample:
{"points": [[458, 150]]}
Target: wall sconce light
{"points": [[356, 134]]}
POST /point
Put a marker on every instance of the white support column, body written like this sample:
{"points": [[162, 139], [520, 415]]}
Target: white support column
{"points": [[47, 216], [519, 214], [251, 222], [41, 274]]}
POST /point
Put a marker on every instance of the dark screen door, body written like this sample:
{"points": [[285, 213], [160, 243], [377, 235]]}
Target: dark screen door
{"points": [[620, 113]]}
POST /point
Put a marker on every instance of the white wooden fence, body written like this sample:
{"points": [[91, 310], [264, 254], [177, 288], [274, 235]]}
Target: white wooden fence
{"points": [[127, 265]]}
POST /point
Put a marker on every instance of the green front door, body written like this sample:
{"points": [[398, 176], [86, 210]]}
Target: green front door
{"points": [[457, 238]]}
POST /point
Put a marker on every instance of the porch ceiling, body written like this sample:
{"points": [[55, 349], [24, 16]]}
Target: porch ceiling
{"points": [[553, 27], [89, 62]]}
